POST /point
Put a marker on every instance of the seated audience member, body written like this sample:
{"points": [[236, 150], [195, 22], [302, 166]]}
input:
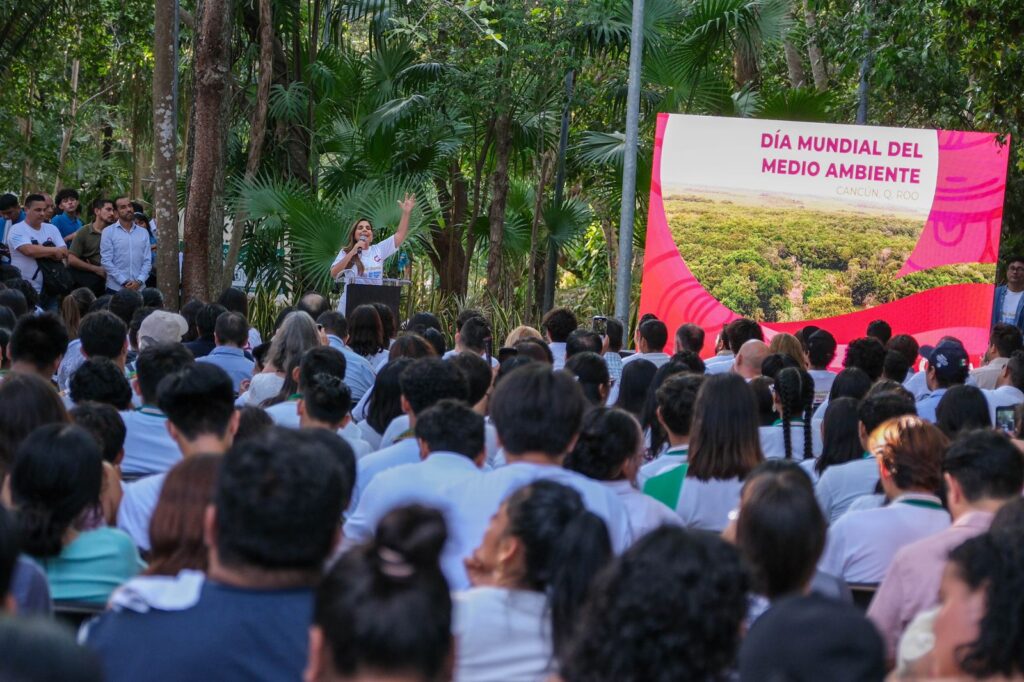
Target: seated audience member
{"points": [[389, 323], [583, 341], [724, 448], [654, 435], [192, 308], [750, 358], [675, 399], [253, 422], [821, 351], [861, 544], [152, 298], [408, 345], [383, 403], [535, 349], [73, 308], [812, 637], [40, 650], [611, 344], [763, 388], [850, 383], [840, 436], [148, 446], [104, 423], [789, 345], [480, 381], [557, 324], [689, 337], [732, 338], [366, 334], [591, 373], [200, 419], [917, 383], [962, 408], [37, 345], [248, 619], [610, 449], [794, 403], [906, 345], [237, 301], [1003, 342], [231, 332], [384, 610], [359, 375], [206, 324], [842, 483], [159, 327], [474, 336], [56, 482], [636, 380], [100, 380], [296, 334], [947, 367], [23, 587], [651, 337], [690, 360], [515, 336], [774, 363], [530, 576], [104, 335], [868, 354], [879, 329], [895, 368], [1009, 388], [671, 608], [314, 304], [14, 300], [982, 471], [424, 383], [124, 303], [176, 527], [26, 403]]}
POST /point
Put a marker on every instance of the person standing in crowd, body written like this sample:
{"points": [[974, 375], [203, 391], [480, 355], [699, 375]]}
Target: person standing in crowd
{"points": [[750, 359], [84, 259], [176, 526], [34, 239], [230, 333], [651, 338], [124, 250], [1004, 340], [611, 344], [689, 337], [67, 220], [11, 213], [947, 367], [1008, 303], [557, 324], [732, 338], [474, 337]]}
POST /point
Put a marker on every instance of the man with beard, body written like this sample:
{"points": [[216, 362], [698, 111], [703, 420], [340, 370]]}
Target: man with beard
{"points": [[84, 252], [124, 250]]}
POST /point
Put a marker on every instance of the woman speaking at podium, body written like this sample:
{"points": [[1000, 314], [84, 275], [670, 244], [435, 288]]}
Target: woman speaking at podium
{"points": [[366, 259]]}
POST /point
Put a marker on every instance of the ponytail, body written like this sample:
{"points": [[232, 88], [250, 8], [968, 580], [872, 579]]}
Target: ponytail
{"points": [[74, 307], [795, 389]]}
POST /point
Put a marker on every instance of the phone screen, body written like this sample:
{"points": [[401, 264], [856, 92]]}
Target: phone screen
{"points": [[600, 325], [1004, 418]]}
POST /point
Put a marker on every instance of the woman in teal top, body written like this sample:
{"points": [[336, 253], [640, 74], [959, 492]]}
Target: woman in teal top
{"points": [[55, 483]]}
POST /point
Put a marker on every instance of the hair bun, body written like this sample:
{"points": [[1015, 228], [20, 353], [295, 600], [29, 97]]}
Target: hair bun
{"points": [[410, 539]]}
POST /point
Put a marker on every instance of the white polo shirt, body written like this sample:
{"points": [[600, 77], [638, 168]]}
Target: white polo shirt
{"points": [[400, 425], [645, 512], [669, 459], [773, 443], [841, 484], [148, 448], [823, 380], [136, 509], [719, 364], [1004, 396], [501, 635], [705, 505], [658, 359], [405, 451], [286, 414]]}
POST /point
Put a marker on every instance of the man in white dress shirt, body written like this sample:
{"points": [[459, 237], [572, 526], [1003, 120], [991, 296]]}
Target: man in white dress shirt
{"points": [[651, 337], [557, 325], [1004, 340], [947, 367]]}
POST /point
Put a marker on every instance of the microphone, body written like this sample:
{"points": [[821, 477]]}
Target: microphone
{"points": [[363, 239]]}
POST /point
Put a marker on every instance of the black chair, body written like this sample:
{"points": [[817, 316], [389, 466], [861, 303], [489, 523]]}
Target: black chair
{"points": [[863, 593], [74, 613]]}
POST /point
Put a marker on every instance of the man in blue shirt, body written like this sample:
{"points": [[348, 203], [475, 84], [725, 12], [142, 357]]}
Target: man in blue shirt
{"points": [[124, 250], [359, 374], [67, 220], [231, 331], [273, 523], [1008, 303], [947, 367]]}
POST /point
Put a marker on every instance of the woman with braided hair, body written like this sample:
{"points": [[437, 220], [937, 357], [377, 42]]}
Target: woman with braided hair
{"points": [[794, 403]]}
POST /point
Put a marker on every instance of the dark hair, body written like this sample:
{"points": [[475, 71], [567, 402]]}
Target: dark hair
{"points": [[389, 325], [670, 608], [65, 193], [582, 341], [105, 425], [994, 562], [253, 422], [821, 349], [559, 323], [411, 345], [334, 323], [57, 474], [775, 363], [880, 330], [366, 331], [39, 340], [614, 330], [198, 399], [152, 297], [385, 402], [986, 464], [189, 312], [386, 606], [565, 546], [609, 438], [101, 381], [895, 366], [591, 372], [475, 334], [234, 301], [176, 527], [15, 300], [911, 450], [428, 380], [26, 403], [232, 328], [422, 321], [649, 416], [74, 307], [738, 332], [690, 337], [781, 530], [1006, 339], [27, 291], [39, 650], [962, 408], [763, 388], [655, 334], [724, 440], [866, 353], [9, 550], [156, 362], [451, 426], [103, 335], [100, 202], [33, 198], [206, 319], [795, 390], [314, 304], [676, 398], [436, 339], [690, 360], [634, 384], [325, 396], [535, 349], [8, 201], [851, 382], [1016, 368], [905, 344], [840, 434], [875, 409], [1010, 518], [138, 317], [342, 456], [478, 375], [537, 410], [260, 352], [279, 500], [124, 303]]}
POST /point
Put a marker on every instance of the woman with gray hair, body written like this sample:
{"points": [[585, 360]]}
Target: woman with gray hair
{"points": [[297, 334]]}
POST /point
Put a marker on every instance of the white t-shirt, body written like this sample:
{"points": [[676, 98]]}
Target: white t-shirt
{"points": [[137, 506], [645, 512], [502, 635], [705, 505], [773, 442], [373, 263], [1008, 315], [23, 234]]}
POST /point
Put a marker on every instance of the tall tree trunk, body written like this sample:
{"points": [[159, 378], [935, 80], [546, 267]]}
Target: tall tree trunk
{"points": [[794, 65], [496, 218], [538, 214], [65, 142], [745, 68], [257, 132], [210, 108], [165, 139], [817, 59], [448, 255]]}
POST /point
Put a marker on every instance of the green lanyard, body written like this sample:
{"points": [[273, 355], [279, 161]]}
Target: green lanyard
{"points": [[927, 504], [151, 410], [778, 422]]}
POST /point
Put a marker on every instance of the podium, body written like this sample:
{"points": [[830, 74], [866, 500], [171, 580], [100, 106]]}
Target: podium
{"points": [[364, 290]]}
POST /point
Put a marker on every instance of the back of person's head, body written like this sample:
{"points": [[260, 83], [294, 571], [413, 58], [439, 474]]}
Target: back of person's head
{"points": [[905, 344], [609, 445], [103, 335], [564, 546], [881, 407], [690, 360], [100, 380], [366, 331], [253, 422], [851, 382], [206, 319], [1006, 339], [40, 650], [591, 372], [156, 362], [633, 386], [478, 375], [669, 608], [295, 336], [138, 318], [15, 300], [176, 527], [422, 321], [411, 345], [429, 380], [385, 401], [676, 398], [582, 341], [535, 349], [794, 389], [649, 415], [690, 337], [9, 550], [880, 330], [385, 607], [962, 408], [7, 317], [234, 301], [38, 341], [314, 305], [325, 397], [724, 440], [821, 349], [866, 353], [840, 434], [74, 307], [57, 475], [290, 525], [537, 410], [198, 399], [789, 346], [436, 339], [388, 321], [334, 323], [559, 323], [780, 530], [764, 392], [775, 363], [124, 303], [895, 367], [911, 451], [232, 328], [1015, 368], [948, 363], [26, 403], [153, 298], [24, 287], [475, 334], [451, 426], [1010, 518], [615, 332], [986, 465], [654, 333], [105, 425], [738, 332]]}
